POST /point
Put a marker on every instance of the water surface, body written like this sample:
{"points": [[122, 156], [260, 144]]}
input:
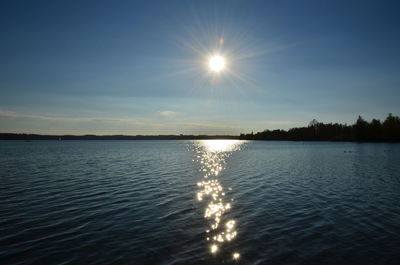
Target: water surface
{"points": [[146, 202]]}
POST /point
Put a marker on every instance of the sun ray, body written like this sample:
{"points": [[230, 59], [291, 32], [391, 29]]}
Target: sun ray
{"points": [[222, 57]]}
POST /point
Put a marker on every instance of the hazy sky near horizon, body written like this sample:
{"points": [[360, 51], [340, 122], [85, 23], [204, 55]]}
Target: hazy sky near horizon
{"points": [[140, 67]]}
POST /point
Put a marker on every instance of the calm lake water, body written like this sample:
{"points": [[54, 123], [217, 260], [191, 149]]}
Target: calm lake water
{"points": [[199, 202]]}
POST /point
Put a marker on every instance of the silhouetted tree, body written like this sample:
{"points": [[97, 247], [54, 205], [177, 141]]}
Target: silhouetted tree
{"points": [[374, 131], [391, 128], [361, 131]]}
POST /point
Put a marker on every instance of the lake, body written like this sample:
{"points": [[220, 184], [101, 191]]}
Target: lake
{"points": [[199, 202]]}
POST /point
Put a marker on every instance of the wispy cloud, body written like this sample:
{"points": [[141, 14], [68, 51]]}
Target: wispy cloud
{"points": [[13, 114], [167, 113], [200, 124]]}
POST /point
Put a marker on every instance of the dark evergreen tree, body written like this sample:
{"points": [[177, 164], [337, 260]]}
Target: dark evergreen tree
{"points": [[360, 129], [391, 128]]}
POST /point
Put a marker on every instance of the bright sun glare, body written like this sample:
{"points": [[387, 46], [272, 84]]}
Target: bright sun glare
{"points": [[216, 63]]}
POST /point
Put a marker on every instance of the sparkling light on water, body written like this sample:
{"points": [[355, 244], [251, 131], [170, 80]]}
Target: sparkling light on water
{"points": [[212, 155]]}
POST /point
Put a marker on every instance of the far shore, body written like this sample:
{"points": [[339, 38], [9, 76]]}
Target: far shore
{"points": [[40, 137]]}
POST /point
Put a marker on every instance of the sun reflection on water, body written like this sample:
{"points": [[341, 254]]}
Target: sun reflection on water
{"points": [[212, 155]]}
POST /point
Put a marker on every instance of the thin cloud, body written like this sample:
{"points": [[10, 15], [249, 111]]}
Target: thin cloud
{"points": [[167, 113], [13, 114], [199, 124]]}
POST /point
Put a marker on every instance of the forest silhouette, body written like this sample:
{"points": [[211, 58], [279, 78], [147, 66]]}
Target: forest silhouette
{"points": [[360, 131]]}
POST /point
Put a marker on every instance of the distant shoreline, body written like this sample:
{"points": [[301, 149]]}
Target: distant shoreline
{"points": [[40, 137]]}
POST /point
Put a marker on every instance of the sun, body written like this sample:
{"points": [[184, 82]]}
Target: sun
{"points": [[216, 63]]}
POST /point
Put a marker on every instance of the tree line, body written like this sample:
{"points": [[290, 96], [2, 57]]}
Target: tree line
{"points": [[360, 131]]}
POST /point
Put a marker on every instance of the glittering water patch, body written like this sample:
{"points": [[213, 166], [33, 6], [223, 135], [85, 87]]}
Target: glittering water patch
{"points": [[212, 155]]}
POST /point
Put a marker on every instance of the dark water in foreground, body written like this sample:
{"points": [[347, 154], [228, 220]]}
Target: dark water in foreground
{"points": [[148, 202]]}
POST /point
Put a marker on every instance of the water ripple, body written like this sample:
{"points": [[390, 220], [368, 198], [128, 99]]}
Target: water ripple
{"points": [[137, 202]]}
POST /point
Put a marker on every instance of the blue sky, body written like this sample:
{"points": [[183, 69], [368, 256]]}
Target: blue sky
{"points": [[139, 67]]}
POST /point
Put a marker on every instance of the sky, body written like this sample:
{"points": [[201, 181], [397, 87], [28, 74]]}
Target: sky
{"points": [[141, 67]]}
